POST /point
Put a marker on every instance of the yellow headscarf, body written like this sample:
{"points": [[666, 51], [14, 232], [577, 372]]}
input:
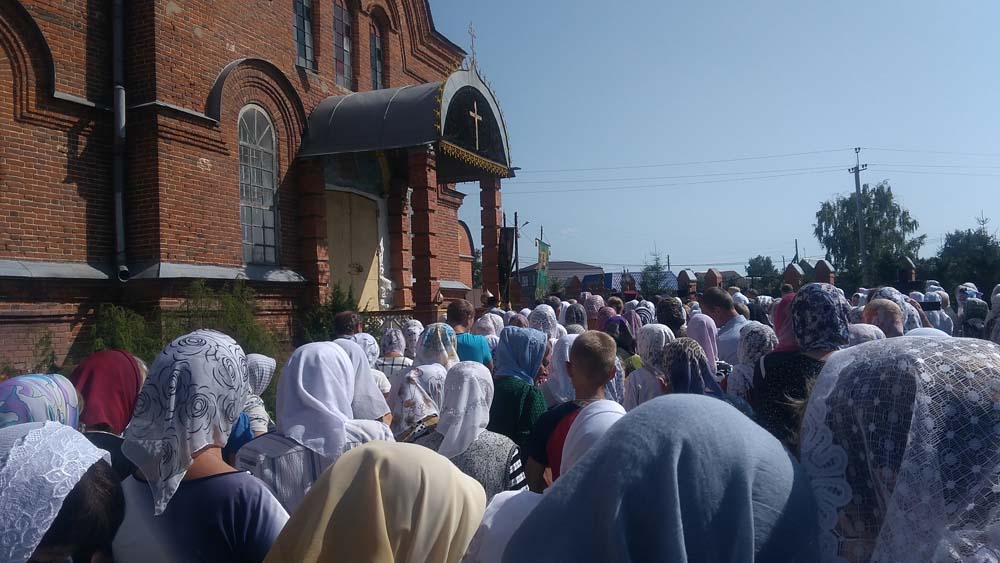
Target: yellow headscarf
{"points": [[384, 502]]}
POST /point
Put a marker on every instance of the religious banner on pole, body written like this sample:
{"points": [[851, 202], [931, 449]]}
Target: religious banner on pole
{"points": [[542, 284]]}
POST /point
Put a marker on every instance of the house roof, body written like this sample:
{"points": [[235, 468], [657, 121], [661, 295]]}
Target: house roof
{"points": [[563, 265]]}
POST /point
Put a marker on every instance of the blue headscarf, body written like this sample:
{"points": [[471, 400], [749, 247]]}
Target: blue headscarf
{"points": [[520, 353], [679, 478]]}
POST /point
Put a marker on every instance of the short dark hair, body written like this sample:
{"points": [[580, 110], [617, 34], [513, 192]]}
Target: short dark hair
{"points": [[461, 312], [346, 324], [554, 302], [787, 288], [593, 356], [90, 515], [717, 298]]}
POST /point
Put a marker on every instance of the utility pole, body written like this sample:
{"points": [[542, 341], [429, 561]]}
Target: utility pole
{"points": [[797, 258], [517, 249], [783, 266], [858, 167], [668, 263]]}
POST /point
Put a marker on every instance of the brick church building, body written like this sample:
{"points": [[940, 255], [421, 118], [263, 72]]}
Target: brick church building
{"points": [[295, 144]]}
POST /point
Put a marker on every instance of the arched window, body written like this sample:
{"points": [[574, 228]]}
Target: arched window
{"points": [[378, 76], [342, 52], [305, 55], [258, 187]]}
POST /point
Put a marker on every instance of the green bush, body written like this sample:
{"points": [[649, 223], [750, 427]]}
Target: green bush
{"points": [[317, 323], [123, 329]]}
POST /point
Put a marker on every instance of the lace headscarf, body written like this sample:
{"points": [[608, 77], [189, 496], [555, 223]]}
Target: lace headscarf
{"points": [[561, 313], [465, 409], [593, 304], [634, 322], [756, 341], [974, 318], [194, 393], [543, 318], [576, 315], [686, 367], [437, 345], [681, 478], [38, 397], [393, 341], [900, 440], [702, 328], [260, 370], [575, 329], [558, 385], [644, 384], [518, 320], [409, 400], [40, 465], [488, 325], [109, 382], [861, 333], [369, 345], [520, 353], [412, 330], [820, 318]]}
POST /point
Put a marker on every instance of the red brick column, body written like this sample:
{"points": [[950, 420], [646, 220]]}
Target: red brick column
{"points": [[400, 246], [312, 226], [422, 172], [489, 200]]}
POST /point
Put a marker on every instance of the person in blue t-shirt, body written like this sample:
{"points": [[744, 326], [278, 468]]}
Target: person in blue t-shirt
{"points": [[471, 347]]}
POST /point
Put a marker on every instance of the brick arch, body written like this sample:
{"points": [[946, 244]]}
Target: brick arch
{"points": [[32, 65], [246, 81], [387, 11], [466, 237]]}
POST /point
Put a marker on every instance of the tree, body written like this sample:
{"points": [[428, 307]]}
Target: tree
{"points": [[761, 267], [972, 255], [653, 280], [477, 267], [556, 286], [888, 234]]}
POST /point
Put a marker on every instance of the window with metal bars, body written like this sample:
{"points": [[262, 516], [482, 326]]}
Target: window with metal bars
{"points": [[342, 51], [306, 57], [378, 77], [258, 191]]}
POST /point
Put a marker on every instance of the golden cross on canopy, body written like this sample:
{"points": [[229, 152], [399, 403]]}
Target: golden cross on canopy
{"points": [[476, 118]]}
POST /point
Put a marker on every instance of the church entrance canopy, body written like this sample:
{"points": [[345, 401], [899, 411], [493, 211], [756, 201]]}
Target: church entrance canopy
{"points": [[390, 158], [460, 116]]}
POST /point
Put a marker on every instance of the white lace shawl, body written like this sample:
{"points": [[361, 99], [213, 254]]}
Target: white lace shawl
{"points": [[465, 407]]}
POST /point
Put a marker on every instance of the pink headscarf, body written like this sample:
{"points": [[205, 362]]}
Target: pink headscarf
{"points": [[604, 315], [633, 320], [702, 328], [783, 325]]}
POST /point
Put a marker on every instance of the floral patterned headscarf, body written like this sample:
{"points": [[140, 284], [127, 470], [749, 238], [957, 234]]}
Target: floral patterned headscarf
{"points": [[820, 315], [437, 345], [36, 398]]}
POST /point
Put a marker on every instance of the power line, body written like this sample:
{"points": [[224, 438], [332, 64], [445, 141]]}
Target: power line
{"points": [[936, 165], [932, 173], [618, 188], [931, 151], [705, 175], [689, 163]]}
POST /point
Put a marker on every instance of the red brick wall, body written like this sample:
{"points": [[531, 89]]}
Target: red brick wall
{"points": [[182, 193]]}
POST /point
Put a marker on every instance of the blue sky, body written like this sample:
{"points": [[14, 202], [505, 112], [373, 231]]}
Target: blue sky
{"points": [[587, 84]]}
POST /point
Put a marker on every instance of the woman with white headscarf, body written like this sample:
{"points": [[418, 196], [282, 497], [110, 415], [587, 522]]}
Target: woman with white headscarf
{"points": [[370, 346], [398, 503], [543, 318], [558, 388], [436, 353], [644, 383], [393, 361], [681, 478], [260, 370], [61, 500], [936, 314], [756, 341], [918, 481], [184, 502], [369, 401], [506, 511], [486, 327], [412, 330], [461, 435], [315, 423]]}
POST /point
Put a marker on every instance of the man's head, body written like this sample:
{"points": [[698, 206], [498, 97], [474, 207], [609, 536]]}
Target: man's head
{"points": [[461, 314], [886, 315], [787, 288], [591, 363], [617, 304], [554, 302], [718, 304], [346, 324], [733, 290]]}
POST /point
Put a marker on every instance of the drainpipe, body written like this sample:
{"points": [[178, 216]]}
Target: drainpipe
{"points": [[118, 149]]}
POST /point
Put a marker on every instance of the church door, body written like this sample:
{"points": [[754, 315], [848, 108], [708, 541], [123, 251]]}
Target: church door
{"points": [[353, 243]]}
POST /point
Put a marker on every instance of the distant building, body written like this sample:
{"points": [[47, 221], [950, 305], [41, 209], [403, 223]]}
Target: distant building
{"points": [[562, 271]]}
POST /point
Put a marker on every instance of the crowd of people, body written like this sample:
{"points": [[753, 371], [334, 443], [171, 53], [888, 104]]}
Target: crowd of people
{"points": [[730, 427]]}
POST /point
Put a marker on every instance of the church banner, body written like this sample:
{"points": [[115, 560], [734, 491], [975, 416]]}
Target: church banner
{"points": [[542, 284]]}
